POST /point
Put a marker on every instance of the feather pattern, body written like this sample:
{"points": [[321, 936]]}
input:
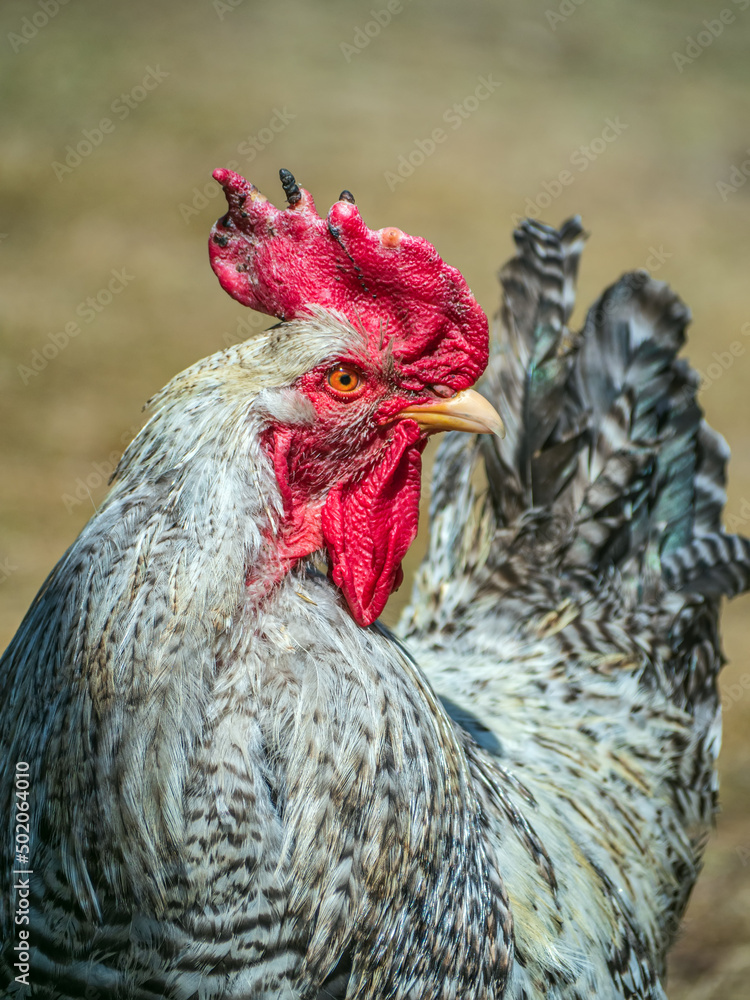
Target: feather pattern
{"points": [[237, 792], [235, 787], [567, 613]]}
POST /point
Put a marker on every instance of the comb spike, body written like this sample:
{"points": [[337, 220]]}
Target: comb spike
{"points": [[291, 189], [347, 196]]}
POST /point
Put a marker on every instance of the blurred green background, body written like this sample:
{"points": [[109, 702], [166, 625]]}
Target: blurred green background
{"points": [[634, 114]]}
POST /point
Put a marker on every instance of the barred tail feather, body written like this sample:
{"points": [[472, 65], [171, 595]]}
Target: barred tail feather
{"points": [[530, 366], [606, 445], [714, 565]]}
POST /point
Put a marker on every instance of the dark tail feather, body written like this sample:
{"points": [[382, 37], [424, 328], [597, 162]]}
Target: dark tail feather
{"points": [[604, 434], [530, 369], [644, 415]]}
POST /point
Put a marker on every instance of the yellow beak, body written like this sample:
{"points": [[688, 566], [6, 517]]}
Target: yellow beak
{"points": [[466, 411]]}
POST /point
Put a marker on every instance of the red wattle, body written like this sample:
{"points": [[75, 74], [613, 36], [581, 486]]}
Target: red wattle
{"points": [[369, 525]]}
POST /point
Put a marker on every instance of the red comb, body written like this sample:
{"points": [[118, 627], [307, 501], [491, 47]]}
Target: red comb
{"points": [[393, 286]]}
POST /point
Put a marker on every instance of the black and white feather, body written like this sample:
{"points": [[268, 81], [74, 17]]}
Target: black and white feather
{"points": [[567, 611]]}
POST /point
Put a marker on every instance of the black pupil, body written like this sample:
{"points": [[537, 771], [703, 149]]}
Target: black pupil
{"points": [[346, 379]]}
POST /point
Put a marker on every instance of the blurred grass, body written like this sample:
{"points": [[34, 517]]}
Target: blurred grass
{"points": [[654, 188]]}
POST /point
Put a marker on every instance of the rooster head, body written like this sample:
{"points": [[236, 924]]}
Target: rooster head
{"points": [[393, 341]]}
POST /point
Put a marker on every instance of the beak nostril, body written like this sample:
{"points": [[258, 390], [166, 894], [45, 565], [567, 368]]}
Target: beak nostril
{"points": [[443, 391]]}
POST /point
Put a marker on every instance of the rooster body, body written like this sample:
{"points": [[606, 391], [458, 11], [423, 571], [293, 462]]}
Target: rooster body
{"points": [[240, 792], [258, 775]]}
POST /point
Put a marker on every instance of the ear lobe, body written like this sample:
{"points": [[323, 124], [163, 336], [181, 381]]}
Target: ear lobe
{"points": [[369, 525]]}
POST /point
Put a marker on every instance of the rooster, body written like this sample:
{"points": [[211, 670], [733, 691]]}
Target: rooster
{"points": [[242, 785]]}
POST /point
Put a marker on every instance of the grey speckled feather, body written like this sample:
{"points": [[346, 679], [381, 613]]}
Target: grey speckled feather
{"points": [[236, 794], [567, 612]]}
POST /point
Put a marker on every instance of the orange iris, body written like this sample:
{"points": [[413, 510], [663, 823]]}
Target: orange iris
{"points": [[344, 379]]}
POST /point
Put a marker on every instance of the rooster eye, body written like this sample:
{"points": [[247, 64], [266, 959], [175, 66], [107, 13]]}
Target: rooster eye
{"points": [[344, 379]]}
